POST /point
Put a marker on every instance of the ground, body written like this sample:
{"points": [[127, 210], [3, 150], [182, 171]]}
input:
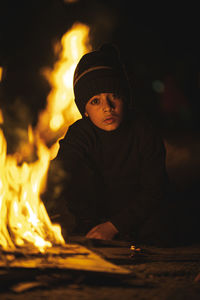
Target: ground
{"points": [[156, 273]]}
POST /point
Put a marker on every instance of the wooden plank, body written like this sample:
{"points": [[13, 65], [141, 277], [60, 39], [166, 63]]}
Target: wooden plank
{"points": [[71, 257]]}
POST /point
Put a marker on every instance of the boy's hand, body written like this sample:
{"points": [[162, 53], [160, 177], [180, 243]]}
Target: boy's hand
{"points": [[104, 231]]}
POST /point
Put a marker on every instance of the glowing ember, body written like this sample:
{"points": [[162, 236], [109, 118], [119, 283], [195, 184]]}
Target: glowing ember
{"points": [[24, 221]]}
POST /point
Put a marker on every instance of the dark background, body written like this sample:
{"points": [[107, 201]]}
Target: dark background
{"points": [[159, 45]]}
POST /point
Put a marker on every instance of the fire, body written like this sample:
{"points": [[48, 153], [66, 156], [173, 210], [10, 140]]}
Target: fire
{"points": [[23, 218], [1, 73], [24, 221], [61, 110]]}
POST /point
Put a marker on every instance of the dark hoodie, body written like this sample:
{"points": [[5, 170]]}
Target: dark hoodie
{"points": [[118, 176]]}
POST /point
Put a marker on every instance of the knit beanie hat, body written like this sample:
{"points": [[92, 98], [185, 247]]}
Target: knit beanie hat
{"points": [[100, 71]]}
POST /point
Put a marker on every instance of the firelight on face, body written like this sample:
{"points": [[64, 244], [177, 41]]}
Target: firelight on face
{"points": [[105, 110]]}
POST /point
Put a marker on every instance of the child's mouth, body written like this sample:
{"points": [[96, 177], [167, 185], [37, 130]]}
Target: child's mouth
{"points": [[109, 120]]}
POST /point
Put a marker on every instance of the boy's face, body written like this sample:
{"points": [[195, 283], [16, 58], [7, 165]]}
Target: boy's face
{"points": [[105, 111]]}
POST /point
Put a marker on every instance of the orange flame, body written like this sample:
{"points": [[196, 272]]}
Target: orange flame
{"points": [[1, 73], [61, 110], [24, 221], [23, 217]]}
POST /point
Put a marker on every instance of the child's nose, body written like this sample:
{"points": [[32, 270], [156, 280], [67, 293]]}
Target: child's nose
{"points": [[107, 105]]}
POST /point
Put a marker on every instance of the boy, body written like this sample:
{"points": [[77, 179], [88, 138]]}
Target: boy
{"points": [[113, 157]]}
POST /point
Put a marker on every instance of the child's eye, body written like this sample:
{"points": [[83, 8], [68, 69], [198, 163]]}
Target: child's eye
{"points": [[95, 101]]}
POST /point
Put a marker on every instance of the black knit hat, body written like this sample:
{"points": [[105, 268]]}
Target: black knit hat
{"points": [[98, 72]]}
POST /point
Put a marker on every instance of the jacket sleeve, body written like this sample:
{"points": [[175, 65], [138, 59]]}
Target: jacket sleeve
{"points": [[77, 195], [152, 182], [73, 148]]}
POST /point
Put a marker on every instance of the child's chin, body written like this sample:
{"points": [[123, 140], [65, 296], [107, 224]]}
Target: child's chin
{"points": [[110, 127]]}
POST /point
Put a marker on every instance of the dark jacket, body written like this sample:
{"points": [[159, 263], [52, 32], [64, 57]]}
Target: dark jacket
{"points": [[118, 176]]}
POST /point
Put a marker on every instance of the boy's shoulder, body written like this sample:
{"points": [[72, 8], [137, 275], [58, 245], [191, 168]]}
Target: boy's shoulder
{"points": [[79, 134], [80, 125], [80, 129]]}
